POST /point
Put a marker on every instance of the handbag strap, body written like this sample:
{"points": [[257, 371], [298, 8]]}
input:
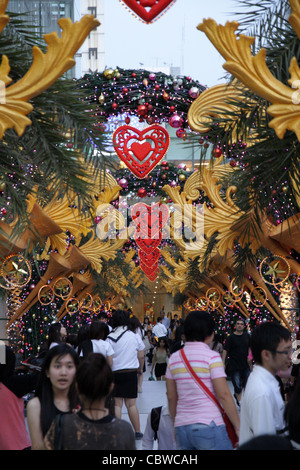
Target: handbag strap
{"points": [[199, 381]]}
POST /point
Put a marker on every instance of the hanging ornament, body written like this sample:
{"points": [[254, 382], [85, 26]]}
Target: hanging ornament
{"points": [[101, 99], [62, 287], [149, 220], [258, 296], [142, 192], [109, 73], [236, 290], [274, 269], [15, 271], [194, 92], [141, 150], [175, 121], [148, 10], [46, 295], [217, 152]]}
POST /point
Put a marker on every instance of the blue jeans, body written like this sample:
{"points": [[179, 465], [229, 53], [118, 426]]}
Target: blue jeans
{"points": [[239, 379], [202, 437]]}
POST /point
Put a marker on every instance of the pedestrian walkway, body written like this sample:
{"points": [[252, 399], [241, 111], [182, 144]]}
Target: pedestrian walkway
{"points": [[153, 394]]}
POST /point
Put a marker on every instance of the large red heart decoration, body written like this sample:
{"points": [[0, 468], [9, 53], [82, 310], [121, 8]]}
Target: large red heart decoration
{"points": [[149, 219], [149, 259], [148, 244], [142, 150], [148, 10]]}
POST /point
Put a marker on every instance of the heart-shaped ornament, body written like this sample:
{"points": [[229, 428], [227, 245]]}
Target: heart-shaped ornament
{"points": [[148, 244], [151, 273], [148, 10], [141, 150], [149, 259], [149, 219]]}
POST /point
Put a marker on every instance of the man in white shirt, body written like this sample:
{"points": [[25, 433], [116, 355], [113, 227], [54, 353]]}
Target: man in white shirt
{"points": [[262, 405], [159, 329]]}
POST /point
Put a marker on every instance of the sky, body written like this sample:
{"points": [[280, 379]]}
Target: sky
{"points": [[171, 40]]}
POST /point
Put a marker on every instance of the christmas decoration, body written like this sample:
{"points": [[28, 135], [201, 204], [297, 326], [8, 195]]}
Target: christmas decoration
{"points": [[148, 10], [141, 151], [140, 93]]}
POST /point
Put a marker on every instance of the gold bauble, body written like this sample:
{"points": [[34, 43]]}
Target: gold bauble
{"points": [[109, 73], [181, 177]]}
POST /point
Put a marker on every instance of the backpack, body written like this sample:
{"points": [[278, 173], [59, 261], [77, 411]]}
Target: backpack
{"points": [[155, 417]]}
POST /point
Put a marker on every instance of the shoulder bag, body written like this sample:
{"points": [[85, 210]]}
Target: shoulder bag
{"points": [[229, 427]]}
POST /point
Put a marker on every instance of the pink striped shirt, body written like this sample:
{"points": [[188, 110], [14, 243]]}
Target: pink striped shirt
{"points": [[193, 405]]}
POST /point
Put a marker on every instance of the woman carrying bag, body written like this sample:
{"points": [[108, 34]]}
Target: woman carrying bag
{"points": [[197, 407]]}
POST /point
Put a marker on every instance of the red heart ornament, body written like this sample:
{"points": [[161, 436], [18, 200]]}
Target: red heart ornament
{"points": [[149, 259], [149, 219], [150, 273], [155, 8], [142, 150], [148, 244]]}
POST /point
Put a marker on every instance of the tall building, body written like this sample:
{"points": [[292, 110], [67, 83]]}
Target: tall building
{"points": [[44, 15]]}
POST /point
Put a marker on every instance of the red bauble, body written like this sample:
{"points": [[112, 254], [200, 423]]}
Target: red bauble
{"points": [[142, 192], [127, 119], [114, 105], [142, 110], [217, 152]]}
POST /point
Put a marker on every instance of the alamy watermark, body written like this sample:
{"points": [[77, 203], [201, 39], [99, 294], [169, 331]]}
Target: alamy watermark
{"points": [[151, 221]]}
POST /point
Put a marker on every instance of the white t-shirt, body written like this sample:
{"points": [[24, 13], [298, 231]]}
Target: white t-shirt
{"points": [[102, 347], [262, 406], [125, 345], [160, 330]]}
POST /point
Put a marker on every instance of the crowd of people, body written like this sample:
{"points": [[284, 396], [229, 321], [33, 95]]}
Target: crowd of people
{"points": [[79, 384]]}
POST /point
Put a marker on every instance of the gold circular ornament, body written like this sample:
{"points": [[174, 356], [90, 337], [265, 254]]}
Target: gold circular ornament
{"points": [[15, 271], [213, 296], [86, 303], [63, 287], [274, 269], [46, 295], [236, 290], [228, 299], [72, 306], [258, 296]]}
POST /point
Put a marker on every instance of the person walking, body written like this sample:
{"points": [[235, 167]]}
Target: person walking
{"points": [[128, 361], [235, 357], [197, 418], [93, 427], [55, 392], [161, 355], [159, 330], [262, 405]]}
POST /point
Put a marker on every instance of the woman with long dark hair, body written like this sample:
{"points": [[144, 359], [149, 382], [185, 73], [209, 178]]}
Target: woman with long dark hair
{"points": [[55, 392], [93, 427]]}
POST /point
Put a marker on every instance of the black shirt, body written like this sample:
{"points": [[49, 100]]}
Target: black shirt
{"points": [[237, 347]]}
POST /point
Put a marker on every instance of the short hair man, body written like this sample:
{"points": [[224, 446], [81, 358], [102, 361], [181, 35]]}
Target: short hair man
{"points": [[262, 406], [236, 349]]}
